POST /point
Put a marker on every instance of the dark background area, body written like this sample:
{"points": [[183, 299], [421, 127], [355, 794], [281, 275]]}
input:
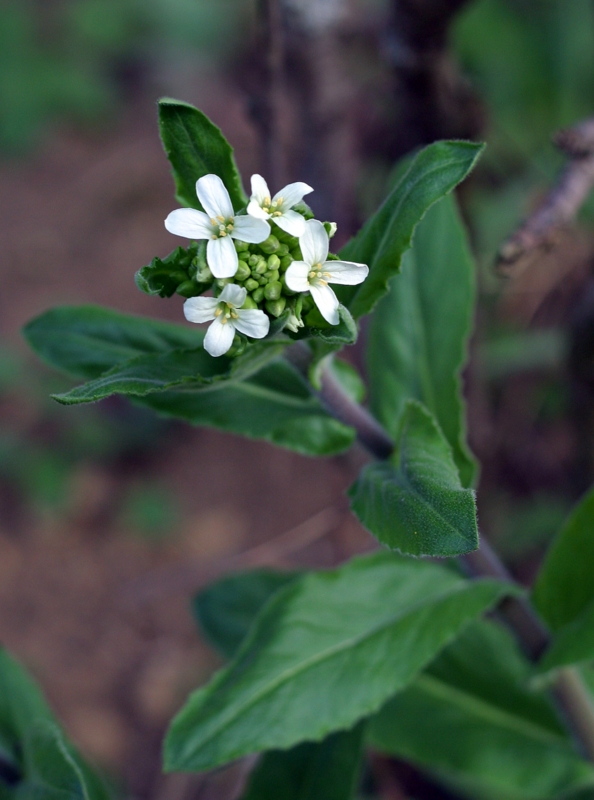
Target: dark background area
{"points": [[110, 518]]}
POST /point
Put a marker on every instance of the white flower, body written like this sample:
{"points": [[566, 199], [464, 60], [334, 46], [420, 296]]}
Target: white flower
{"points": [[219, 225], [228, 316], [314, 273], [279, 208]]}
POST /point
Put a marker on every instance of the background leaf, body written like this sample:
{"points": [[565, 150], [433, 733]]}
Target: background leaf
{"points": [[418, 335], [298, 674], [383, 240], [195, 147], [470, 718], [414, 501]]}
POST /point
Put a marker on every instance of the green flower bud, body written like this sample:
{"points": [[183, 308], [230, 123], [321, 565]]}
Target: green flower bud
{"points": [[188, 289], [253, 260], [296, 254], [286, 262], [251, 284], [262, 279], [239, 246], [221, 282], [330, 228], [249, 303], [276, 307], [272, 275], [258, 295], [303, 209], [283, 250], [261, 267], [243, 271], [273, 262], [272, 291], [271, 245]]}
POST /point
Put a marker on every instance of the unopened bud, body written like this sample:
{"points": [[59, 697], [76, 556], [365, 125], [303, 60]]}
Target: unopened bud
{"points": [[251, 284], [258, 294], [271, 245], [296, 254], [249, 303], [272, 291], [239, 245], [283, 250], [221, 282], [273, 262], [276, 307], [261, 267], [188, 289], [286, 262], [330, 228], [272, 275], [243, 271], [253, 260]]}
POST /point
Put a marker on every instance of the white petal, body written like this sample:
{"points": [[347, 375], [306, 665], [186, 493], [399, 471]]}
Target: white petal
{"points": [[254, 209], [296, 276], [200, 309], [221, 257], [250, 229], [293, 194], [291, 222], [314, 243], [190, 223], [327, 302], [253, 323], [219, 337], [346, 272], [234, 295], [214, 197], [260, 190]]}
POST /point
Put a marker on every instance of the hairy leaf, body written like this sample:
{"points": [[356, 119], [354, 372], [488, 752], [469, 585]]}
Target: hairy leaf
{"points": [[418, 336], [163, 276], [470, 718], [381, 243], [414, 502], [297, 676], [195, 147]]}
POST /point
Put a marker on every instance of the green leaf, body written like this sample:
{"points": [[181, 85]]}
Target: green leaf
{"points": [[470, 718], [348, 377], [195, 147], [564, 587], [163, 275], [86, 341], [276, 404], [383, 240], [227, 609], [571, 644], [418, 336], [345, 332], [328, 770], [414, 502], [298, 675]]}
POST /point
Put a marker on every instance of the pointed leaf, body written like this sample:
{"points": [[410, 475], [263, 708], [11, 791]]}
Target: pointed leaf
{"points": [[195, 147], [414, 502], [163, 276], [418, 336], [383, 240], [298, 674], [470, 718], [326, 770]]}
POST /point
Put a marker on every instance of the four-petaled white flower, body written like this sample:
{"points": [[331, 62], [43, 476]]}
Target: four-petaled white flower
{"points": [[219, 226], [278, 209], [314, 273], [228, 316]]}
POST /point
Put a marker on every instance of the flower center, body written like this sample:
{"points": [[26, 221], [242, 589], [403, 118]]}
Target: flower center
{"points": [[226, 312], [273, 207], [317, 276], [222, 227]]}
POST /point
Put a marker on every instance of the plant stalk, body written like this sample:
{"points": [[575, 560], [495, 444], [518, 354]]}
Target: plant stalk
{"points": [[569, 691]]}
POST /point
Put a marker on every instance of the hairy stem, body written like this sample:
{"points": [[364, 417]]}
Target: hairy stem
{"points": [[570, 693]]}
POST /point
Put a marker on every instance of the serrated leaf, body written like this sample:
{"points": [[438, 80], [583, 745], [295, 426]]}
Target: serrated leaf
{"points": [[418, 336], [414, 502], [321, 771], [226, 609], [384, 239], [196, 147], [471, 719], [163, 275], [345, 332], [298, 674]]}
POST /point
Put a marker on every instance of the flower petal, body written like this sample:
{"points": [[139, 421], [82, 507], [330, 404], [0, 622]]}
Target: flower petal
{"points": [[190, 223], [219, 337], [250, 229], [327, 302], [314, 243], [346, 272], [254, 209], [214, 197], [253, 323], [293, 194], [200, 309], [260, 191], [234, 295], [296, 276], [221, 257], [291, 222]]}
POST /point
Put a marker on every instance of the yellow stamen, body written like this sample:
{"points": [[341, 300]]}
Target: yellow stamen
{"points": [[222, 233], [234, 315], [229, 227], [214, 237], [322, 283], [213, 221], [221, 219], [218, 312], [224, 321]]}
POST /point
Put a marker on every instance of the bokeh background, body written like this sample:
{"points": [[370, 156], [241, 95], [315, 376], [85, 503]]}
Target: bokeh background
{"points": [[111, 518]]}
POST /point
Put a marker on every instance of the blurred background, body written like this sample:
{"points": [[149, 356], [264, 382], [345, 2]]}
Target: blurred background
{"points": [[111, 518]]}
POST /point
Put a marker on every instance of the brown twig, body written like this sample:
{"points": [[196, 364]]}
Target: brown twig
{"points": [[559, 206]]}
